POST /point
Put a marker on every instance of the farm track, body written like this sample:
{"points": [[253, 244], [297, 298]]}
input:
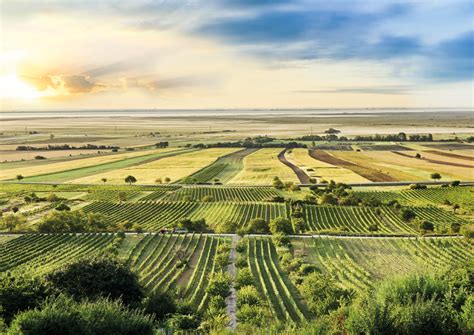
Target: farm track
{"points": [[370, 174], [450, 155], [434, 161], [302, 176]]}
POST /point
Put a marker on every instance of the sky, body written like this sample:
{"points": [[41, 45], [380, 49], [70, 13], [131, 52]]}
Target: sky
{"points": [[173, 54]]}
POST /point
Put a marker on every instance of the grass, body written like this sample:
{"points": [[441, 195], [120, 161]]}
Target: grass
{"points": [[322, 170], [261, 167], [175, 167]]}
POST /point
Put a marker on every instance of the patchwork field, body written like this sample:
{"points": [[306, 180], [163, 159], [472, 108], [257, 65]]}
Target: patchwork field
{"points": [[175, 168], [322, 170], [261, 167]]}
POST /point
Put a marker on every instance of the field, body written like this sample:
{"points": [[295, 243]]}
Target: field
{"points": [[358, 263], [322, 170], [261, 167], [215, 176], [174, 167]]}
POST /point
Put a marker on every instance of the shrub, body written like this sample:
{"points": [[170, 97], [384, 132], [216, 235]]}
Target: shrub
{"points": [[280, 225], [64, 316], [180, 322], [20, 293], [248, 295], [219, 284], [159, 304], [258, 226], [244, 278], [227, 227], [407, 214], [62, 207], [322, 294], [253, 315], [97, 277], [426, 226], [468, 231]]}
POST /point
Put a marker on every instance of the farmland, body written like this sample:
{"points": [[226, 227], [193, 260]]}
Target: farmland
{"points": [[205, 225]]}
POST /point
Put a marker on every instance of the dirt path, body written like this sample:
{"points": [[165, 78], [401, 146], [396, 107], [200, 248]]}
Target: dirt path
{"points": [[366, 172], [302, 176], [434, 161], [232, 299]]}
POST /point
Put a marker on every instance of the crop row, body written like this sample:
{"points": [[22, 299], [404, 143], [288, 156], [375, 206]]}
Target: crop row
{"points": [[249, 194], [357, 263], [282, 296], [38, 253]]}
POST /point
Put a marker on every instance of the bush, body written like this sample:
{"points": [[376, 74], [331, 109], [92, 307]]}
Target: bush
{"points": [[468, 231], [244, 278], [64, 316], [322, 294], [219, 284], [258, 226], [75, 222], [97, 277], [253, 315], [407, 214], [159, 304], [62, 207], [280, 225], [184, 322], [227, 227], [248, 295], [426, 226], [18, 294]]}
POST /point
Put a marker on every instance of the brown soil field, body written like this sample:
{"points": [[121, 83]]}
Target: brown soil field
{"points": [[448, 154], [434, 161], [370, 174]]}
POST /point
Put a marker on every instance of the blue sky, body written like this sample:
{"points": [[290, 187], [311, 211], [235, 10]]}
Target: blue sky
{"points": [[240, 53]]}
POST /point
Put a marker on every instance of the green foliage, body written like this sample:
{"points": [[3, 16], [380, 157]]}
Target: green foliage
{"points": [[64, 316], [328, 199], [248, 295], [407, 214], [62, 207], [468, 231], [426, 226], [244, 278], [322, 294], [97, 277], [19, 293], [183, 322], [277, 183], [75, 222], [13, 221], [219, 284], [280, 225], [227, 227], [130, 179], [159, 304], [196, 225], [258, 226], [255, 316]]}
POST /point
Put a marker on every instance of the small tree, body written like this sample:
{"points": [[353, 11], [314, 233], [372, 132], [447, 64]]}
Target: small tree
{"points": [[426, 226], [19, 177], [130, 180], [104, 180], [12, 221], [122, 196], [281, 225], [455, 207], [167, 179], [278, 184], [435, 176]]}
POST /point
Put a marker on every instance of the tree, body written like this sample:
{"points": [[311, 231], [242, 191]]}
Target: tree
{"points": [[130, 180], [298, 224], [19, 177], [92, 278], [227, 227], [277, 183], [426, 226], [328, 199], [456, 207], [62, 207], [280, 225], [467, 231], [407, 214], [13, 221], [160, 304], [167, 179], [258, 226], [435, 176], [104, 180]]}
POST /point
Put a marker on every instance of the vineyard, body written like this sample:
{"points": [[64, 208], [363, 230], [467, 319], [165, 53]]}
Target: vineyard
{"points": [[279, 292], [224, 194], [358, 263]]}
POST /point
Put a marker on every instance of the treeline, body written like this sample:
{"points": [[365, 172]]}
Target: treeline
{"points": [[66, 147], [400, 137], [255, 142]]}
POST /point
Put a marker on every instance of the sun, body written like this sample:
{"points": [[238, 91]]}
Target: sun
{"points": [[12, 87]]}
